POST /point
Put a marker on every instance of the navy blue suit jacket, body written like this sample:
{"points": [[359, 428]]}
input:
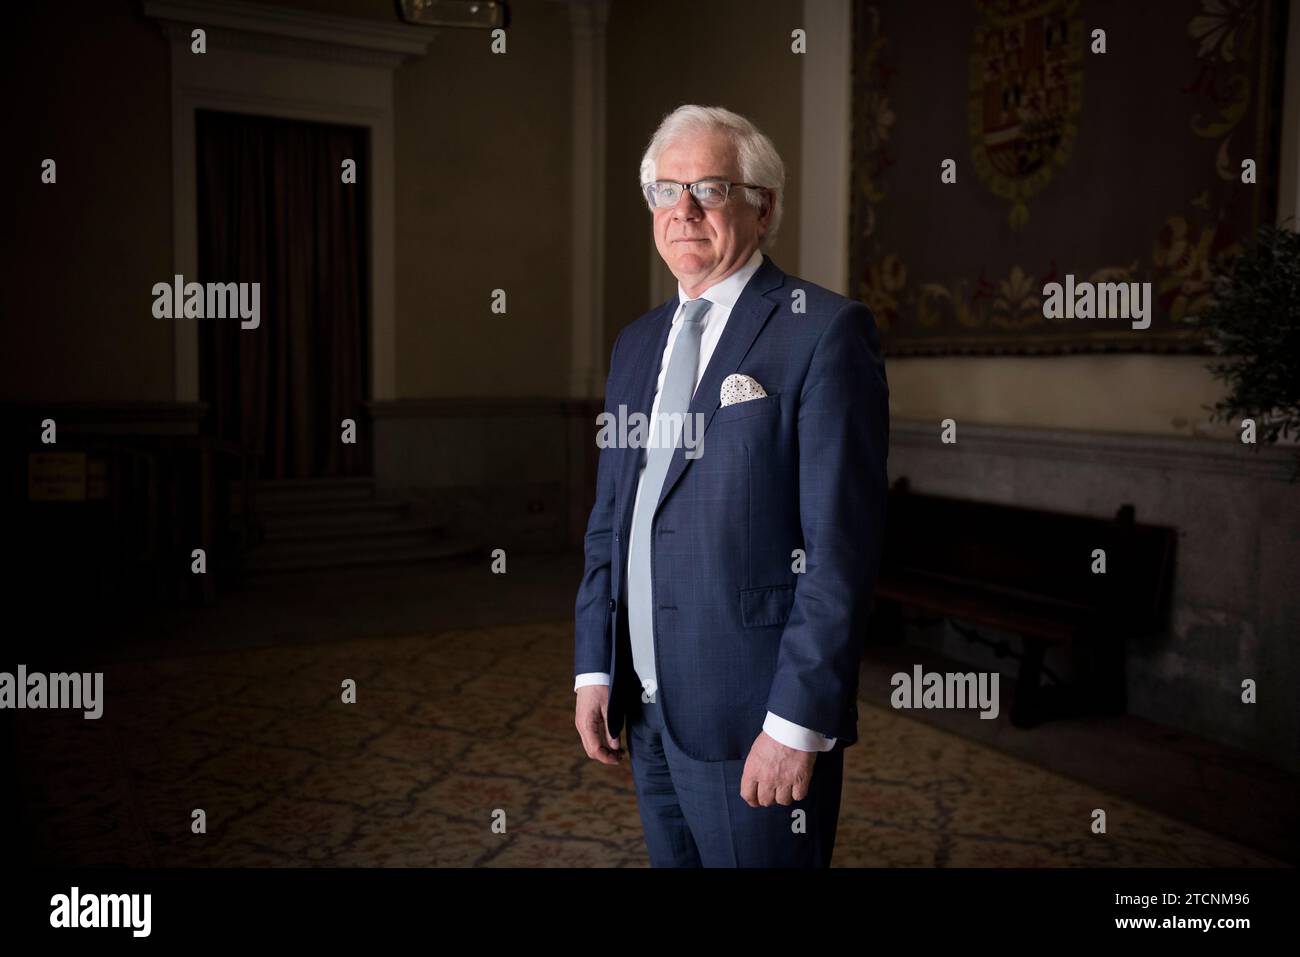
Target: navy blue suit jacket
{"points": [[737, 632]]}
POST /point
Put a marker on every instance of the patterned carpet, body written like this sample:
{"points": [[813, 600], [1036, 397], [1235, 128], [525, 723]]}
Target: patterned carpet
{"points": [[448, 728]]}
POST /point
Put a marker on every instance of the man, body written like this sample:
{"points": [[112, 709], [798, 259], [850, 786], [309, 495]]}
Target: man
{"points": [[723, 605]]}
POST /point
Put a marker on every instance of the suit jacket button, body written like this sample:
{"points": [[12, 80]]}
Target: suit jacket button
{"points": [[611, 604]]}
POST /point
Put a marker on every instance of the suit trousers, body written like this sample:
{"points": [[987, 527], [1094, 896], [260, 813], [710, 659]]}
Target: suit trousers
{"points": [[693, 814]]}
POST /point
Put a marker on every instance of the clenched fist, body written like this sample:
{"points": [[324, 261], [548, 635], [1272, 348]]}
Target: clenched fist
{"points": [[591, 719]]}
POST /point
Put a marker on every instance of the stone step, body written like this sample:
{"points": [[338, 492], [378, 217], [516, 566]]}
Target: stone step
{"points": [[317, 537], [262, 566], [376, 511], [276, 492]]}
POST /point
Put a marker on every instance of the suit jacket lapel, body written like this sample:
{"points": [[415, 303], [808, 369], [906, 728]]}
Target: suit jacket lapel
{"points": [[649, 358], [747, 318]]}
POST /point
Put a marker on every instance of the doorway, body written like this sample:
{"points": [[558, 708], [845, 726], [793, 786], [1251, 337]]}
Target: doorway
{"points": [[274, 209]]}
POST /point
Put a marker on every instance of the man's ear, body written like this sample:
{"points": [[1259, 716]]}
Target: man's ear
{"points": [[765, 215]]}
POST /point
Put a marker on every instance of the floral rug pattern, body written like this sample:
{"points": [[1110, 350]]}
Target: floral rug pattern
{"points": [[456, 732]]}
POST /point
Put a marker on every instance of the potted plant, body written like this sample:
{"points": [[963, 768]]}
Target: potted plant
{"points": [[1253, 323]]}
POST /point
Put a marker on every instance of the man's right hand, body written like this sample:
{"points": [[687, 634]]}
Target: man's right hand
{"points": [[591, 720]]}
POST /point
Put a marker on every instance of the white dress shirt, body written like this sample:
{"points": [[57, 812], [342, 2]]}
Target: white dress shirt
{"points": [[723, 295]]}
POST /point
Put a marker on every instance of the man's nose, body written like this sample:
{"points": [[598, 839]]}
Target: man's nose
{"points": [[687, 207]]}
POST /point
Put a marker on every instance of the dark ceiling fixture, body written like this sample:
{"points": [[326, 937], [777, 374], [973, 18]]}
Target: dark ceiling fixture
{"points": [[480, 14]]}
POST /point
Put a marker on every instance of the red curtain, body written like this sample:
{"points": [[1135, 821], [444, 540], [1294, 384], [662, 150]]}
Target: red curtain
{"points": [[273, 209]]}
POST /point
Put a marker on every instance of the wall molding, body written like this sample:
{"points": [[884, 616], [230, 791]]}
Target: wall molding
{"points": [[287, 31], [826, 124], [107, 418], [452, 406], [1288, 198], [587, 23], [274, 61], [1104, 449]]}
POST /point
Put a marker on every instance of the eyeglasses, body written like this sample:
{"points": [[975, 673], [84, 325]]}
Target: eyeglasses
{"points": [[709, 193]]}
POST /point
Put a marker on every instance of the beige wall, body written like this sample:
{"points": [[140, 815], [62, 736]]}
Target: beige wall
{"points": [[483, 202], [1126, 393], [745, 66]]}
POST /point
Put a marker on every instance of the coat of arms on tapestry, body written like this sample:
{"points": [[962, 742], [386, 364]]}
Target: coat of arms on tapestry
{"points": [[1011, 156]]}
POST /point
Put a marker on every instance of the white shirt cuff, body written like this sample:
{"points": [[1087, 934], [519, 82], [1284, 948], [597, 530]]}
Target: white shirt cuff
{"points": [[590, 678], [796, 736]]}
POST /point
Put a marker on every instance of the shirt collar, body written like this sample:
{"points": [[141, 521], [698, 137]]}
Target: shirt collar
{"points": [[726, 291]]}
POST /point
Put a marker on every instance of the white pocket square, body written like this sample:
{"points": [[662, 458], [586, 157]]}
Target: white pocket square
{"points": [[740, 388]]}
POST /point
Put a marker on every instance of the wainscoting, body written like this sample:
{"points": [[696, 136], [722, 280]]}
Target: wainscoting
{"points": [[519, 474], [1234, 613]]}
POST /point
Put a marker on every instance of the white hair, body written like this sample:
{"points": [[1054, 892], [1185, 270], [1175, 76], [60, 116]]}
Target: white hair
{"points": [[759, 161]]}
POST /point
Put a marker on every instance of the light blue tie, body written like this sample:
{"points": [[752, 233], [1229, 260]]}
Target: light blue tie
{"points": [[675, 397]]}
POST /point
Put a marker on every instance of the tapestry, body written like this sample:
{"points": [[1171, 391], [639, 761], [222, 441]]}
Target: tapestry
{"points": [[1052, 176]]}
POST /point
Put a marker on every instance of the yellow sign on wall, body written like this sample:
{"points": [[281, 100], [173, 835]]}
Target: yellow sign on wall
{"points": [[56, 476]]}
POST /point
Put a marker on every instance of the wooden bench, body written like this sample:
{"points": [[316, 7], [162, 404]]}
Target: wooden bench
{"points": [[1029, 572]]}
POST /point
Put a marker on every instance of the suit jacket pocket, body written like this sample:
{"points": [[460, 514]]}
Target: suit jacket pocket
{"points": [[768, 605], [743, 410]]}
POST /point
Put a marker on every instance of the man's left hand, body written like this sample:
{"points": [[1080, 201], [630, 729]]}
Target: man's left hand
{"points": [[775, 773]]}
